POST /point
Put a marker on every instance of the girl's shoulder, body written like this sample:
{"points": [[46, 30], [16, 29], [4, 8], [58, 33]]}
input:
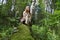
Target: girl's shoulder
{"points": [[24, 12]]}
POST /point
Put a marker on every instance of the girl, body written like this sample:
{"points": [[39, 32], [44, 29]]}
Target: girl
{"points": [[26, 16]]}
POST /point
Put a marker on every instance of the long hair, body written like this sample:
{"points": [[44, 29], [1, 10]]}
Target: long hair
{"points": [[27, 9]]}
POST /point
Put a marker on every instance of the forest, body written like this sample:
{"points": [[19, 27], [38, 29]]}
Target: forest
{"points": [[45, 24]]}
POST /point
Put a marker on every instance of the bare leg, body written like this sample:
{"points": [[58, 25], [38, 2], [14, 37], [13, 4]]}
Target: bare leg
{"points": [[26, 20]]}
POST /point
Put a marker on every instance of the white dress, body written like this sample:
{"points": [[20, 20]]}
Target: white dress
{"points": [[26, 17]]}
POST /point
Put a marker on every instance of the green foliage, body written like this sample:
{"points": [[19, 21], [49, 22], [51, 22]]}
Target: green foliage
{"points": [[10, 19], [48, 28], [51, 35], [57, 4], [39, 33]]}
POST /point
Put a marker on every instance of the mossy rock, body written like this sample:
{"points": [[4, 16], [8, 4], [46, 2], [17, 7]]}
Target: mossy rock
{"points": [[22, 34]]}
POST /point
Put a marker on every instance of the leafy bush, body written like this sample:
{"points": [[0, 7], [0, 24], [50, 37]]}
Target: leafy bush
{"points": [[49, 27]]}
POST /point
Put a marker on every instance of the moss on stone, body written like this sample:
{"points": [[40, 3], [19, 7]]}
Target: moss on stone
{"points": [[22, 34]]}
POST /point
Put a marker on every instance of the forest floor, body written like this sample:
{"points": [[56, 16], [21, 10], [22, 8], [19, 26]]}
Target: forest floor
{"points": [[22, 34]]}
